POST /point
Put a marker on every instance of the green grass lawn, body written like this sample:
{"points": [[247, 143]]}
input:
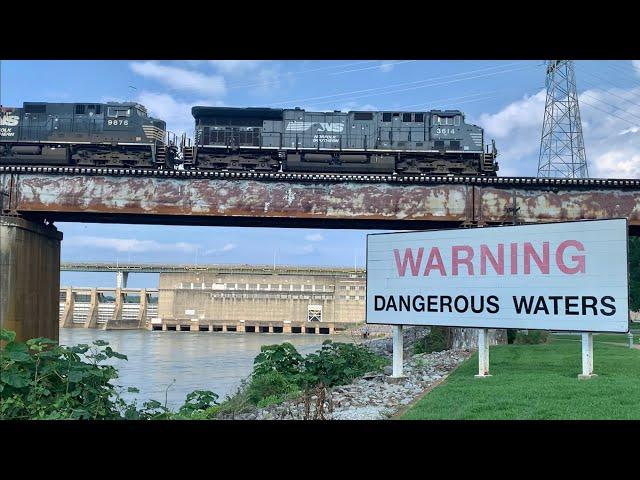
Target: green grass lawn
{"points": [[539, 382], [604, 337]]}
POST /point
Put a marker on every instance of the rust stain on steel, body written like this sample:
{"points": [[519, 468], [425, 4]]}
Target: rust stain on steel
{"points": [[247, 198], [537, 205], [256, 199]]}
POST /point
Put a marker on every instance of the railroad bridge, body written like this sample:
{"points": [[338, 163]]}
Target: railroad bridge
{"points": [[32, 198]]}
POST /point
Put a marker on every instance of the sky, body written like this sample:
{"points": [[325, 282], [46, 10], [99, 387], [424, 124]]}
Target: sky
{"points": [[506, 98]]}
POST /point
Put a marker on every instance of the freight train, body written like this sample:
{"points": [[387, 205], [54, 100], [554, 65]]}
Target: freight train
{"points": [[437, 142]]}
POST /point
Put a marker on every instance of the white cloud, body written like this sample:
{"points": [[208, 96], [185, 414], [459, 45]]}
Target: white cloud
{"points": [[306, 249], [163, 106], [521, 114], [128, 244], [386, 66], [630, 130], [227, 247], [182, 79], [636, 65], [615, 163], [350, 106], [314, 237], [236, 67]]}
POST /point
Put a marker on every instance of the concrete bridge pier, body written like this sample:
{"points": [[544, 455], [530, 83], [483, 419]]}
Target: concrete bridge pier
{"points": [[29, 278], [121, 279]]}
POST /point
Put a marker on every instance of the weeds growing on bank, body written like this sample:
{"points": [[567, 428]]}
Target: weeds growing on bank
{"points": [[40, 379]]}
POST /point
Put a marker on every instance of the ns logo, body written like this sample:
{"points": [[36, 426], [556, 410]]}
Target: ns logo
{"points": [[294, 126], [9, 120]]}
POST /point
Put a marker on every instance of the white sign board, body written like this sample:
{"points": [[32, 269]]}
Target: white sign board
{"points": [[568, 276]]}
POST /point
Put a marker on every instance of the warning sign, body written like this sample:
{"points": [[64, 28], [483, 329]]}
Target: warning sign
{"points": [[557, 276]]}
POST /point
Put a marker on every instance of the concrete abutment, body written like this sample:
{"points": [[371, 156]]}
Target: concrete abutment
{"points": [[29, 278]]}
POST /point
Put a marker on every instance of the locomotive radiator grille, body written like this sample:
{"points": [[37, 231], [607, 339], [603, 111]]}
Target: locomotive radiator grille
{"points": [[153, 133]]}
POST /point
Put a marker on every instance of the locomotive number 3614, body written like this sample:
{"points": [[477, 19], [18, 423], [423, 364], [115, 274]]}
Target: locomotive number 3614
{"points": [[117, 122]]}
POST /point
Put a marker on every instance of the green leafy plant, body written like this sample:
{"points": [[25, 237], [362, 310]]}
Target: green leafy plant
{"points": [[269, 385], [338, 364], [40, 379], [282, 358]]}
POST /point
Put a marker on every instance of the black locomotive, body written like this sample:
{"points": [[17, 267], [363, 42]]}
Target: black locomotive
{"points": [[436, 142], [85, 134]]}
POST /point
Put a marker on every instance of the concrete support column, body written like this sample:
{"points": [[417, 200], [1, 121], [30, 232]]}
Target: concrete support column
{"points": [[116, 318], [92, 314], [67, 316], [29, 278], [142, 314], [121, 279]]}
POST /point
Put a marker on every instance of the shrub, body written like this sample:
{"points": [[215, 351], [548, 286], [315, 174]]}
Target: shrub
{"points": [[40, 379], [269, 385], [338, 364], [532, 337], [272, 400], [43, 380], [511, 335], [437, 340], [197, 402], [282, 358]]}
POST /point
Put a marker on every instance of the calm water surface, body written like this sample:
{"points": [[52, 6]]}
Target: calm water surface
{"points": [[196, 360]]}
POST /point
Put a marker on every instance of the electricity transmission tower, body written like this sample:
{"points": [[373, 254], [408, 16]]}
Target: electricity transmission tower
{"points": [[562, 147]]}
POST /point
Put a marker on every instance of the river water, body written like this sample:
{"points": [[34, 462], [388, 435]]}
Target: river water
{"points": [[195, 360]]}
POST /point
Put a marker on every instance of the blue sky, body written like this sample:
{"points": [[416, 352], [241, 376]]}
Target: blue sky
{"points": [[504, 97]]}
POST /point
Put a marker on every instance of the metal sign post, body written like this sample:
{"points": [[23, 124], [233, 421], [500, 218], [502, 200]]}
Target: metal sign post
{"points": [[483, 353], [587, 357], [398, 351]]}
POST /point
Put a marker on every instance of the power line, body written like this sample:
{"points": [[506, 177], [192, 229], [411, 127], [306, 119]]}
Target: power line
{"points": [[431, 102], [623, 72], [375, 66], [608, 113], [611, 105], [312, 70], [632, 92], [392, 85], [438, 84]]}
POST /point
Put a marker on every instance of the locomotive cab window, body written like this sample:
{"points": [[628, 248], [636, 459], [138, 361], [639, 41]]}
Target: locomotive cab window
{"points": [[93, 109], [80, 109], [386, 117], [406, 117], [438, 120], [456, 121], [114, 112], [419, 118]]}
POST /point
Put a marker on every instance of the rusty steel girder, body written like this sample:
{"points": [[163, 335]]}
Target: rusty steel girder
{"points": [[309, 203]]}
